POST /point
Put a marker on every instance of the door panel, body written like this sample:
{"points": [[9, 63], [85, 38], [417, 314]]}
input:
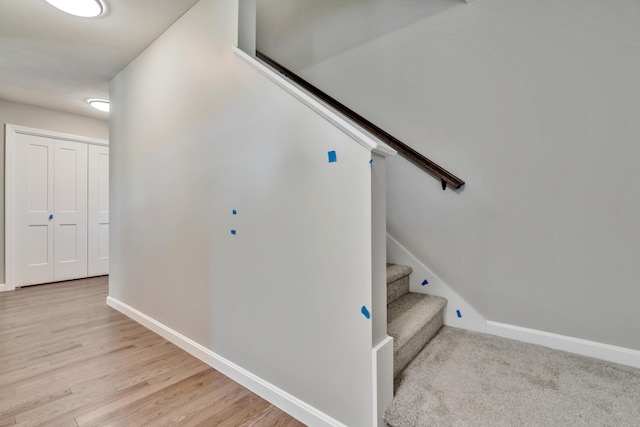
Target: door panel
{"points": [[66, 178], [38, 178], [98, 210], [67, 249], [38, 245], [70, 210], [34, 158]]}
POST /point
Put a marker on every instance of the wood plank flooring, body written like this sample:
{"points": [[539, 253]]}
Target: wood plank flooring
{"points": [[67, 359]]}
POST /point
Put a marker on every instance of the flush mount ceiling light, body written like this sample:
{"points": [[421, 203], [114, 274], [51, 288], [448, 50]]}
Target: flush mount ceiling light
{"points": [[99, 104], [83, 8]]}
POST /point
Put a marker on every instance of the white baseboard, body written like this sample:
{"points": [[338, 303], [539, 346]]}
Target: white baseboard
{"points": [[472, 320], [304, 412], [469, 318], [2, 287], [611, 353]]}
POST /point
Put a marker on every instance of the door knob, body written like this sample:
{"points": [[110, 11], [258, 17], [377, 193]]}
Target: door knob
{"points": [[50, 216]]}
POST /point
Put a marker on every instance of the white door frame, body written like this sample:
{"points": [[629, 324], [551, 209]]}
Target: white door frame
{"points": [[9, 187]]}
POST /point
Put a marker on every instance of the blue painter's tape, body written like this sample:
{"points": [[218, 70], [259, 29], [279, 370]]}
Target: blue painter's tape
{"points": [[458, 313], [425, 282], [234, 232], [365, 312], [333, 157], [235, 212]]}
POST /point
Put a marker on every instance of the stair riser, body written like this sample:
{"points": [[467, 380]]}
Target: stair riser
{"points": [[403, 355], [397, 289]]}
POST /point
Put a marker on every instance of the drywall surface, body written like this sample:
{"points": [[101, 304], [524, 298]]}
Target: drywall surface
{"points": [[40, 118], [457, 313], [535, 104], [230, 224]]}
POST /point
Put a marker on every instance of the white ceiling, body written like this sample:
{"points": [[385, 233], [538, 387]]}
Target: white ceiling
{"points": [[58, 61]]}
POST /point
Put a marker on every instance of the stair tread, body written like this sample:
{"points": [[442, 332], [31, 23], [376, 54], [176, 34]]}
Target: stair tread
{"points": [[396, 271], [410, 313]]}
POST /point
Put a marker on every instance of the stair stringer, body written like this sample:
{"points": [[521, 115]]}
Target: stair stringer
{"points": [[470, 318]]}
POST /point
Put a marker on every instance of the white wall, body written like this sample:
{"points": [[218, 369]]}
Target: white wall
{"points": [[41, 118], [196, 133], [536, 105]]}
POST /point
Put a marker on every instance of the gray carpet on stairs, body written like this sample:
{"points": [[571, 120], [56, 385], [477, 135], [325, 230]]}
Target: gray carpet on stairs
{"points": [[464, 378], [412, 321]]}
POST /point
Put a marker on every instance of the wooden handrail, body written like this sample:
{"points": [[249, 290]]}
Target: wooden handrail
{"points": [[446, 177]]}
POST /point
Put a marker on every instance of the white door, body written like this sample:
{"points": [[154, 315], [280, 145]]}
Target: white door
{"points": [[98, 210], [47, 229], [33, 210], [70, 210], [50, 210]]}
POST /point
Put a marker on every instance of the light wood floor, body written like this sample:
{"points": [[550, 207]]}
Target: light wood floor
{"points": [[67, 359]]}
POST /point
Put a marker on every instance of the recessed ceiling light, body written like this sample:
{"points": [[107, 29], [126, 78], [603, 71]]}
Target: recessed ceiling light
{"points": [[83, 8], [99, 104]]}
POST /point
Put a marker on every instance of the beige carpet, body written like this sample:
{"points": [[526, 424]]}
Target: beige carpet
{"points": [[468, 379]]}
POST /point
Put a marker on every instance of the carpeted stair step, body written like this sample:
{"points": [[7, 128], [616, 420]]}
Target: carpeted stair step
{"points": [[397, 281], [412, 320]]}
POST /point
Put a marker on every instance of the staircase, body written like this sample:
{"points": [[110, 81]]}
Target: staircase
{"points": [[412, 319]]}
